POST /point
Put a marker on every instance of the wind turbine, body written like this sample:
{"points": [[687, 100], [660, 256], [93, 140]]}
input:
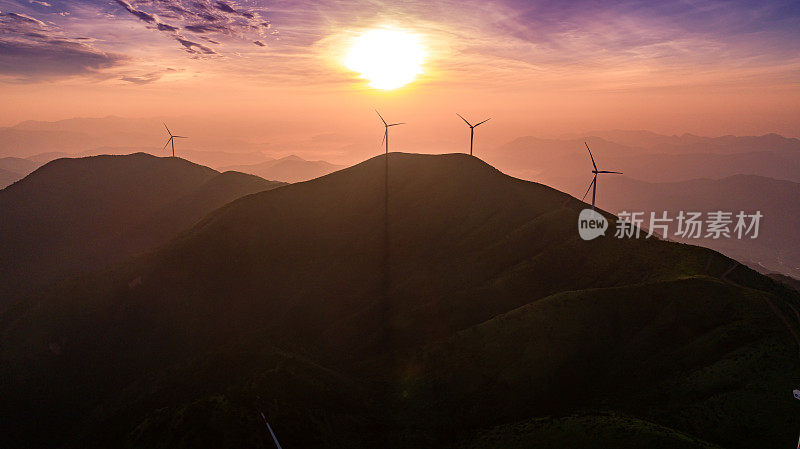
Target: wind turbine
{"points": [[386, 272], [386, 130], [593, 184], [472, 130], [171, 140]]}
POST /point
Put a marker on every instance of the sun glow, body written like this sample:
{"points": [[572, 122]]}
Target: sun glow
{"points": [[388, 59]]}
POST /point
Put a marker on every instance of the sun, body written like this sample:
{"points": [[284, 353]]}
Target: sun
{"points": [[387, 58]]}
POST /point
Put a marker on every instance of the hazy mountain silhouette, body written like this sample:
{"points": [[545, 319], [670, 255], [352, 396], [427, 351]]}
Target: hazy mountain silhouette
{"points": [[777, 247], [558, 162], [83, 136], [214, 159], [689, 143], [686, 179], [288, 169], [19, 165], [43, 158], [496, 313], [13, 169], [76, 135], [72, 216], [8, 177], [684, 167], [23, 143]]}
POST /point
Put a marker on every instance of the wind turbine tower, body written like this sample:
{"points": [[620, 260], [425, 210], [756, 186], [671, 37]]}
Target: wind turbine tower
{"points": [[593, 184], [472, 130]]}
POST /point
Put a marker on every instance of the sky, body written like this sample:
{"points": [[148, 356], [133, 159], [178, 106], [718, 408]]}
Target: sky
{"points": [[536, 67]]}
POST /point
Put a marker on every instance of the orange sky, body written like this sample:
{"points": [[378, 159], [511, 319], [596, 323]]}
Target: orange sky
{"points": [[703, 67]]}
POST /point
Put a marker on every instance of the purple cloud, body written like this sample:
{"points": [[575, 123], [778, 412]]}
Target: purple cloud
{"points": [[142, 79], [194, 47], [204, 28], [31, 50], [224, 7], [208, 17], [12, 18], [149, 18], [165, 27], [33, 61]]}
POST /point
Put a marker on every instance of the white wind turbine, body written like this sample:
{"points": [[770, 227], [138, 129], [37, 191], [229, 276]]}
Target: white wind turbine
{"points": [[171, 140], [472, 130], [593, 184], [386, 130]]}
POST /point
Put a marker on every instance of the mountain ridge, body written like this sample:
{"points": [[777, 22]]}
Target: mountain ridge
{"points": [[280, 294], [288, 169], [74, 215]]}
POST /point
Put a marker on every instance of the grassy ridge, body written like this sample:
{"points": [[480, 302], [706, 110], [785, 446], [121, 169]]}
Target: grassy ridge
{"points": [[675, 352]]}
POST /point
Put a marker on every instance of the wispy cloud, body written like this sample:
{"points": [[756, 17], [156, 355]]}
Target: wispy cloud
{"points": [[194, 47], [617, 44], [146, 78], [32, 50], [223, 19], [141, 15]]}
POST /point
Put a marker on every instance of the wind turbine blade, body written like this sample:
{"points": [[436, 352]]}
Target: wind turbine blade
{"points": [[379, 115], [168, 131], [165, 145], [590, 155], [395, 124], [465, 120], [480, 123], [274, 438], [590, 188], [180, 137], [384, 137], [615, 172]]}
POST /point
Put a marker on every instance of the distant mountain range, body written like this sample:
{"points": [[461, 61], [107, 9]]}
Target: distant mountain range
{"points": [[13, 169], [558, 161], [561, 163], [671, 173], [81, 135], [7, 177], [73, 216], [689, 143], [214, 159], [288, 169], [777, 248], [40, 142], [467, 314]]}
